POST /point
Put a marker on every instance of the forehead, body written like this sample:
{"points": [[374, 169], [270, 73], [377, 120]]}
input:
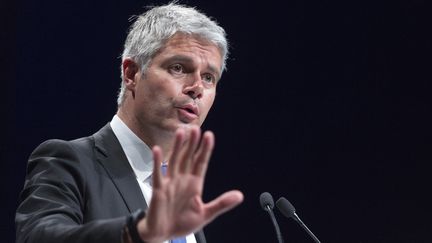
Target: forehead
{"points": [[194, 47]]}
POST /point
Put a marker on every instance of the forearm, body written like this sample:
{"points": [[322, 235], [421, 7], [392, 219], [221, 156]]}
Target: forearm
{"points": [[54, 229], [55, 201]]}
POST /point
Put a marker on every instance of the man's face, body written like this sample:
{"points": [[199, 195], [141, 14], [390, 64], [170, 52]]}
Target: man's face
{"points": [[179, 85]]}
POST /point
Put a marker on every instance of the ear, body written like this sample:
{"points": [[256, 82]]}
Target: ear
{"points": [[130, 71]]}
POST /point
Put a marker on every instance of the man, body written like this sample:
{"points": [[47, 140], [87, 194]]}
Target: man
{"points": [[93, 189]]}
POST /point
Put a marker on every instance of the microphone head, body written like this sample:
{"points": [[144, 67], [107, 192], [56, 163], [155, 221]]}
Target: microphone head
{"points": [[285, 207], [266, 199]]}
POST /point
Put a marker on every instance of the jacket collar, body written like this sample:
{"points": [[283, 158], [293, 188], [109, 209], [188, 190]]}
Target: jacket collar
{"points": [[112, 157]]}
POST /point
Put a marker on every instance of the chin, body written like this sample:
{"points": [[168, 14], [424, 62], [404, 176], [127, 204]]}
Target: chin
{"points": [[173, 125], [187, 125]]}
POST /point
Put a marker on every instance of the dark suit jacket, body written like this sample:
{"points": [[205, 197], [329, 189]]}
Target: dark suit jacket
{"points": [[78, 191]]}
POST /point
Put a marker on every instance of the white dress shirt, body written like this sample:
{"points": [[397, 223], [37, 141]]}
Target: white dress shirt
{"points": [[140, 158]]}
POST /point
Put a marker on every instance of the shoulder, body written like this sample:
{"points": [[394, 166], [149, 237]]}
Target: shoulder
{"points": [[80, 147], [60, 148], [76, 157], [56, 157]]}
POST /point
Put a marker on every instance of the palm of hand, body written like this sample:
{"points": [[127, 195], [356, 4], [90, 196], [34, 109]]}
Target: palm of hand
{"points": [[176, 208]]}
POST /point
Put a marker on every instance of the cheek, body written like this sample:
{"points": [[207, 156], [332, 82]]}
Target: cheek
{"points": [[159, 96], [157, 88], [207, 103]]}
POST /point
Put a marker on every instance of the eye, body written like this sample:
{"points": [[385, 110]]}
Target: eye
{"points": [[208, 78], [176, 68]]}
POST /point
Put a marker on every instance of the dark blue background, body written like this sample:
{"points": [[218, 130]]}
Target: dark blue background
{"points": [[325, 102]]}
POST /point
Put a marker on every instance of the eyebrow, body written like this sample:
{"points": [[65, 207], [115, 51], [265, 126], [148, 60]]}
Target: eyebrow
{"points": [[186, 59]]}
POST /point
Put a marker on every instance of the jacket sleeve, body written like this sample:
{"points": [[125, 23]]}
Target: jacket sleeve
{"points": [[51, 206]]}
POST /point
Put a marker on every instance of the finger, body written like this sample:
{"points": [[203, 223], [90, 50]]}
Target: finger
{"points": [[203, 154], [174, 159], [190, 148], [157, 161], [222, 204]]}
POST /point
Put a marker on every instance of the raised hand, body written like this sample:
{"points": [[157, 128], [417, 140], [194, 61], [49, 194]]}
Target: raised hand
{"points": [[176, 208]]}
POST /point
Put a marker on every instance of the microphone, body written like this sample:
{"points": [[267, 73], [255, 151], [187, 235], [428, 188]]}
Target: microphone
{"points": [[267, 203], [288, 210]]}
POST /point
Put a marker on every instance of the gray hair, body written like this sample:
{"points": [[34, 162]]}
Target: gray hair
{"points": [[152, 29]]}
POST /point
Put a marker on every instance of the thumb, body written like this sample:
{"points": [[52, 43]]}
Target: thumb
{"points": [[222, 204]]}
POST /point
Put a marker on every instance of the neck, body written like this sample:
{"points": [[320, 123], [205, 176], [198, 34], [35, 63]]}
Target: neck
{"points": [[149, 135]]}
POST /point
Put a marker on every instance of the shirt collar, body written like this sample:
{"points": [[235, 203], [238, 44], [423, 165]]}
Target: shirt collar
{"points": [[139, 155]]}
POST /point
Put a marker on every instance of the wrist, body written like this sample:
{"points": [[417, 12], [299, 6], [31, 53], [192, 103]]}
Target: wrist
{"points": [[144, 232], [131, 227]]}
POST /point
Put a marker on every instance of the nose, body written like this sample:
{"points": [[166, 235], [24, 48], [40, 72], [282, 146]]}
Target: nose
{"points": [[195, 88]]}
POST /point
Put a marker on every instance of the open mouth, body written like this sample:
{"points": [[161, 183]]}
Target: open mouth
{"points": [[189, 110], [187, 114]]}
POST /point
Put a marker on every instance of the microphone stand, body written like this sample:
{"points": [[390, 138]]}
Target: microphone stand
{"points": [[275, 224], [297, 218]]}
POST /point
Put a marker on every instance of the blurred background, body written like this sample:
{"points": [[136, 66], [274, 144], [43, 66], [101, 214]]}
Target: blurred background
{"points": [[326, 103]]}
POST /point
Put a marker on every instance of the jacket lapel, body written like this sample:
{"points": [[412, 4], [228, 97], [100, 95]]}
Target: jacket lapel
{"points": [[111, 156], [199, 236]]}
